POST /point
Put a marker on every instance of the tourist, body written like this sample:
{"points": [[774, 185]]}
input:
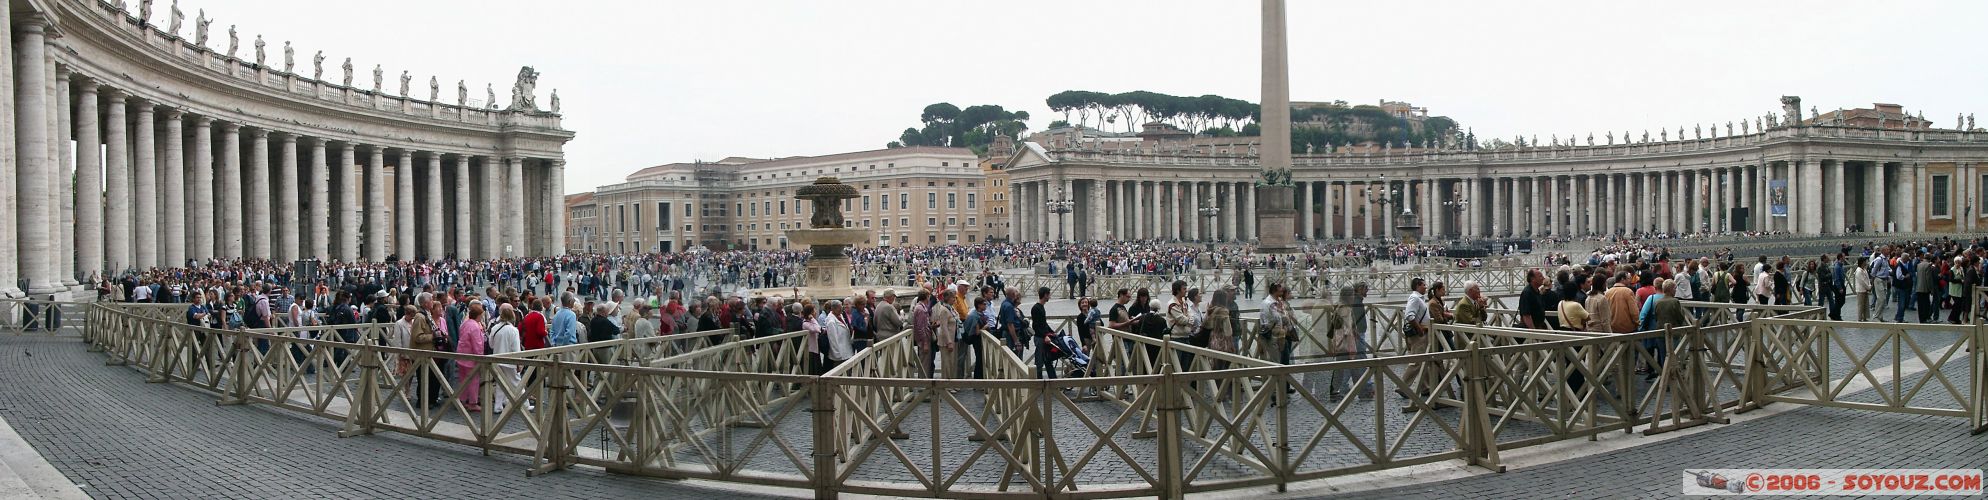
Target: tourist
{"points": [[889, 319], [922, 332], [946, 333], [1621, 305], [470, 341], [836, 346], [860, 323], [601, 328], [503, 340], [1280, 324], [1924, 283], [1415, 319], [967, 351], [1040, 331]]}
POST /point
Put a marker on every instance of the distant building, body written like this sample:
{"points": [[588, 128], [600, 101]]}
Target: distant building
{"points": [[582, 223], [915, 195], [1879, 115]]}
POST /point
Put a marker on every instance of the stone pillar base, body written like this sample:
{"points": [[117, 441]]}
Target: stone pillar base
{"points": [[828, 278], [1276, 220]]}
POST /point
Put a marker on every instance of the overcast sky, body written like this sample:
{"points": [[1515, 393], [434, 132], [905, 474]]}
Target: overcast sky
{"points": [[651, 82]]}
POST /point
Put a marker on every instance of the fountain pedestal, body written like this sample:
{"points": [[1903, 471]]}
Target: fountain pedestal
{"points": [[828, 267]]}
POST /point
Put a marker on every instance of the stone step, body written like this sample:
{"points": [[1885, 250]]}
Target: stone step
{"points": [[25, 474]]}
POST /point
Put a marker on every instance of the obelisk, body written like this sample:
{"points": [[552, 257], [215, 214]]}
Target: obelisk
{"points": [[1276, 233]]}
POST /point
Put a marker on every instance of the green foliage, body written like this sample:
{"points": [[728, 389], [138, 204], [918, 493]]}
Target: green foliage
{"points": [[1317, 127], [974, 127], [1128, 111]]}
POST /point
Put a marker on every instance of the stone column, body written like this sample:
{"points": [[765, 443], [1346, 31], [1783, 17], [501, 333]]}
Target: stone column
{"points": [[12, 251], [231, 190], [63, 188], [465, 243], [516, 213], [492, 221], [1874, 184], [431, 215], [320, 213], [260, 242], [1832, 195], [1387, 212], [556, 178], [175, 190], [1305, 209], [1593, 216], [1497, 215], [404, 235], [92, 240], [1814, 204], [1196, 198], [289, 223], [1915, 190], [203, 189], [377, 230], [1536, 225], [348, 200], [146, 189]]}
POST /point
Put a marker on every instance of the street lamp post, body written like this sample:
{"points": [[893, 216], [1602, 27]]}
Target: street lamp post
{"points": [[1385, 194], [1212, 212], [1457, 204], [1061, 205]]}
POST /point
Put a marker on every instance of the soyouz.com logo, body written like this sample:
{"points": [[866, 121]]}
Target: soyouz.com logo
{"points": [[1831, 482]]}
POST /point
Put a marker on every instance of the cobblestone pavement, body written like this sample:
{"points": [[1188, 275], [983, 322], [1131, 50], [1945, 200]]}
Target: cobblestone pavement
{"points": [[120, 437], [1813, 437]]}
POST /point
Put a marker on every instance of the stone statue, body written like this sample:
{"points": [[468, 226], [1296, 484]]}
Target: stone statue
{"points": [[1841, 118], [258, 50], [462, 94], [1743, 129], [1646, 135], [523, 93], [555, 101], [489, 96], [289, 57], [1680, 132], [404, 79], [144, 11], [1970, 121], [1663, 134], [1309, 148], [234, 42], [1591, 139], [1729, 128], [348, 72], [317, 66], [1611, 137], [1556, 140], [434, 89], [176, 17], [200, 22], [1813, 115], [1697, 131], [379, 78], [1792, 107]]}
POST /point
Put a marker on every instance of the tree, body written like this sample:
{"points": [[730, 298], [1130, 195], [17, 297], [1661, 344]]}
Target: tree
{"points": [[973, 127]]}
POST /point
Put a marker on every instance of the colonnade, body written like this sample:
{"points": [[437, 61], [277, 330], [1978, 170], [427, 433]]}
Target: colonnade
{"points": [[1213, 210], [1796, 195], [103, 176]]}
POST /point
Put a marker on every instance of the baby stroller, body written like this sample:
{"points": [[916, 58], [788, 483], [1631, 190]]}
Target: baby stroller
{"points": [[1068, 354]]}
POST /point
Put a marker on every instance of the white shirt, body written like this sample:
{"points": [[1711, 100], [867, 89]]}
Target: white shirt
{"points": [[839, 347], [504, 339]]}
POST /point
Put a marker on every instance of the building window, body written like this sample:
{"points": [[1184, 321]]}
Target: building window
{"points": [[885, 200], [945, 164], [931, 221], [952, 200], [886, 222], [622, 219], [904, 221], [755, 210], [866, 223], [686, 228], [1940, 196], [969, 184], [971, 238], [638, 220], [972, 221], [783, 207], [952, 221], [931, 201], [931, 239], [866, 203], [952, 238], [904, 201]]}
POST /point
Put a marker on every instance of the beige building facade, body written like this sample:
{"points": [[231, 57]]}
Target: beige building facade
{"points": [[916, 196]]}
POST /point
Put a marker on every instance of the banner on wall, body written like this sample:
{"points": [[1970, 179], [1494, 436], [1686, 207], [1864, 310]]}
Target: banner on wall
{"points": [[1777, 197]]}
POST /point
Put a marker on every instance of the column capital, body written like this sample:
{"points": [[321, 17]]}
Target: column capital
{"points": [[203, 121], [231, 127], [260, 133], [32, 23], [287, 137], [175, 114]]}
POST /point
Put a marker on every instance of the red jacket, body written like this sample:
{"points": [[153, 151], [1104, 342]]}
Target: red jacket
{"points": [[531, 331]]}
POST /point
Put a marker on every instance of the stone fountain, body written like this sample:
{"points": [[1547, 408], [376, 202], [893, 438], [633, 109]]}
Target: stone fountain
{"points": [[828, 268]]}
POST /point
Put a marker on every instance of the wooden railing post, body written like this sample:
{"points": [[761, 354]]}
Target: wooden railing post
{"points": [[363, 412], [552, 444], [823, 411], [238, 368], [1481, 445], [1169, 403]]}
